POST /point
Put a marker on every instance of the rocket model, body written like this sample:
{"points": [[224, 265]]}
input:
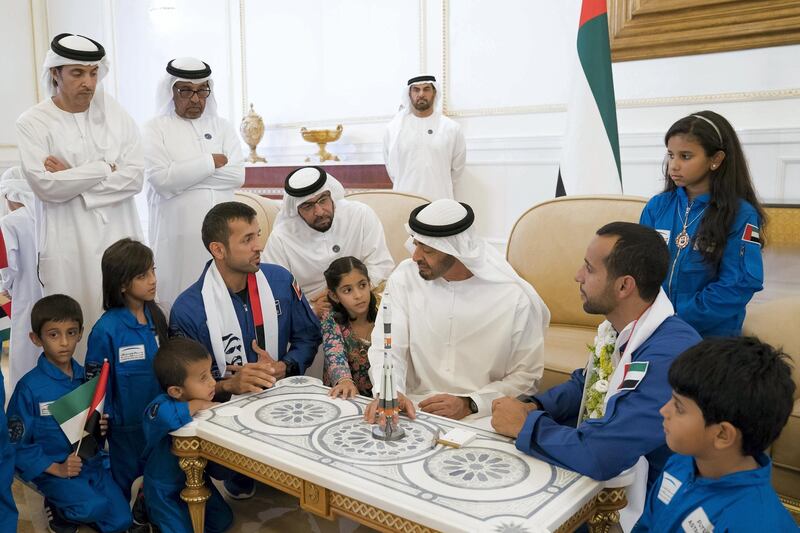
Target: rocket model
{"points": [[387, 404]]}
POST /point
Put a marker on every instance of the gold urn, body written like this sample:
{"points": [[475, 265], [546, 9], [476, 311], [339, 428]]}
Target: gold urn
{"points": [[252, 130], [322, 138]]}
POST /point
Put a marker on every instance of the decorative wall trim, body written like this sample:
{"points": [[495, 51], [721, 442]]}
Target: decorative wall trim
{"points": [[243, 54], [645, 29], [423, 35], [780, 175]]}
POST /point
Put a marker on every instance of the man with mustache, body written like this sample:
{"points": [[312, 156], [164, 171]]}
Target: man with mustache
{"points": [[465, 328], [424, 150], [81, 156], [193, 161], [316, 225]]}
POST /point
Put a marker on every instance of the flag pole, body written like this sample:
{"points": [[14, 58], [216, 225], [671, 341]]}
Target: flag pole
{"points": [[86, 418]]}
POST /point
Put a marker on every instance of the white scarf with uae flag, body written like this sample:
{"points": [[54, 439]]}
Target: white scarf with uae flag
{"points": [[626, 376], [223, 325]]}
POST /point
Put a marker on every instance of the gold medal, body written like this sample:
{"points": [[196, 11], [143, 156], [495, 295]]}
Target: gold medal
{"points": [[682, 240]]}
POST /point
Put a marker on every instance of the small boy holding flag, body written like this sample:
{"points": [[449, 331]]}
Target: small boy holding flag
{"points": [[59, 453]]}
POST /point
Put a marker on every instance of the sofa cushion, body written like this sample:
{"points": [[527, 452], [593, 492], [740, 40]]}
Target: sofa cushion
{"points": [[564, 351], [786, 457]]}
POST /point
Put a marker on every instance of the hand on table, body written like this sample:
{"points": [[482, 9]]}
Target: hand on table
{"points": [[509, 415], [345, 388], [447, 405], [403, 403], [277, 368], [250, 377]]}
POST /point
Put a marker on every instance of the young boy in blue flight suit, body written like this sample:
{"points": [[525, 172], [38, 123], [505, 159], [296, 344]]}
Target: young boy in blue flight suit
{"points": [[183, 368], [8, 510], [731, 398], [79, 492]]}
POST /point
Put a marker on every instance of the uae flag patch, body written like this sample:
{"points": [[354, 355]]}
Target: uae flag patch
{"points": [[634, 374], [751, 234]]}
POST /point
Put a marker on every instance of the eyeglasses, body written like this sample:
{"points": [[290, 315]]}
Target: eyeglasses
{"points": [[307, 207], [187, 93]]}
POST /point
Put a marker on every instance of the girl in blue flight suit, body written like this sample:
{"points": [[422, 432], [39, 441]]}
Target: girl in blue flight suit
{"points": [[128, 335], [712, 222]]}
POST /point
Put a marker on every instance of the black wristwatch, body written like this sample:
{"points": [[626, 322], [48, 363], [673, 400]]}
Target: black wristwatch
{"points": [[473, 407]]}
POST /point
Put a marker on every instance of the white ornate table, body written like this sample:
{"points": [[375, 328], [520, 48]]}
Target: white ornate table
{"points": [[297, 439]]}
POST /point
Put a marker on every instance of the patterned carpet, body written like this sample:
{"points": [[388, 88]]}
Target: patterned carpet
{"points": [[268, 511]]}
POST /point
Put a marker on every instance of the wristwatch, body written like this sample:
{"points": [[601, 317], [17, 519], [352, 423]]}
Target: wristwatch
{"points": [[291, 367], [473, 407]]}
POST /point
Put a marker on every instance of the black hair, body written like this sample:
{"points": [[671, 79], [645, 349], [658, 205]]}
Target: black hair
{"points": [[55, 308], [333, 276], [172, 359], [640, 252], [121, 263], [739, 380], [215, 223], [729, 182]]}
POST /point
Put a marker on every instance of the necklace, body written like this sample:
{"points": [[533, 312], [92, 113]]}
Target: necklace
{"points": [[682, 240]]}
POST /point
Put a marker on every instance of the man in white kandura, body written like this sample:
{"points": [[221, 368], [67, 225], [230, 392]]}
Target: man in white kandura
{"points": [[316, 225], [82, 158], [193, 161], [466, 329], [424, 150], [19, 278]]}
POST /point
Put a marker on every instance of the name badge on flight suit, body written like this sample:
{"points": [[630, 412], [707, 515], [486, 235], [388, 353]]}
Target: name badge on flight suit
{"points": [[44, 408], [131, 353], [697, 522]]}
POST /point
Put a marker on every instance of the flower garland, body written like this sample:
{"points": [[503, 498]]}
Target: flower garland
{"points": [[602, 368]]}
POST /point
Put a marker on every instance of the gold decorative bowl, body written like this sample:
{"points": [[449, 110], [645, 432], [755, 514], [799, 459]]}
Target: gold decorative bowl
{"points": [[321, 138]]}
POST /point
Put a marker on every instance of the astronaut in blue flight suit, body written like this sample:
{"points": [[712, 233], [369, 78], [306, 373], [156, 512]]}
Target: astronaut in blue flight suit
{"points": [[712, 300], [230, 233], [621, 278], [183, 367], [8, 510], [129, 347], [42, 450]]}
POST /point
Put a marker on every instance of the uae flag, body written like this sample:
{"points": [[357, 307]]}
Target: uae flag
{"points": [[78, 413], [590, 157]]}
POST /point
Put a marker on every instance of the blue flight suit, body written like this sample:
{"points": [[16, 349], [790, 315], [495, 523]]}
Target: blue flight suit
{"points": [[8, 510], [130, 348], [163, 478], [90, 498], [741, 502], [711, 301], [602, 448], [299, 332]]}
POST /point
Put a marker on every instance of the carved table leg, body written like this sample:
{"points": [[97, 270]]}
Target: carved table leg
{"points": [[196, 493], [609, 502]]}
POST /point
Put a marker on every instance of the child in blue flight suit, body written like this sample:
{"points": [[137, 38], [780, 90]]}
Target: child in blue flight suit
{"points": [[183, 368], [128, 335], [77, 492], [712, 222], [731, 398], [8, 510]]}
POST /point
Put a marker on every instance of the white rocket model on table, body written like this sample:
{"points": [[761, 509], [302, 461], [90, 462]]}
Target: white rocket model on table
{"points": [[387, 404]]}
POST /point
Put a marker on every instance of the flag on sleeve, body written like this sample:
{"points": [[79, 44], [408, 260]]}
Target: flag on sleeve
{"points": [[78, 413], [590, 162], [634, 374]]}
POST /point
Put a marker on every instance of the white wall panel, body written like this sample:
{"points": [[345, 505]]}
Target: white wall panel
{"points": [[18, 88]]}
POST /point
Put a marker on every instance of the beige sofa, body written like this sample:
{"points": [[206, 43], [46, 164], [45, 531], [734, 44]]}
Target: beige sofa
{"points": [[266, 211], [776, 322], [546, 248], [392, 209]]}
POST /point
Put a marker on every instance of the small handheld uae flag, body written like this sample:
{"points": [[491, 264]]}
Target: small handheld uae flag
{"points": [[78, 413]]}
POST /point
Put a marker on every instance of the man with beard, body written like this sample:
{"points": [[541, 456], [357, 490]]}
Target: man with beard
{"points": [[466, 329], [81, 156], [424, 150], [606, 419], [317, 225], [193, 162], [249, 315]]}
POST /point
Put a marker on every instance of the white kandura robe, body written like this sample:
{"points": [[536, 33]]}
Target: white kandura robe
{"points": [[422, 163], [467, 338], [356, 231], [20, 280], [183, 187], [83, 210]]}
